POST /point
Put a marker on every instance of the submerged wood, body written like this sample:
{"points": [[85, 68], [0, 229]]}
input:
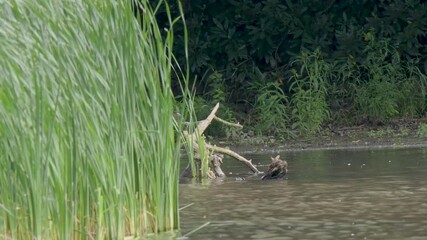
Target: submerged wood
{"points": [[216, 161], [234, 155]]}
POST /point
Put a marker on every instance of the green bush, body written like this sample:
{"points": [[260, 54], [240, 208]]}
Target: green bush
{"points": [[422, 130], [378, 99], [367, 45], [271, 110], [309, 106], [413, 101], [234, 37], [388, 86]]}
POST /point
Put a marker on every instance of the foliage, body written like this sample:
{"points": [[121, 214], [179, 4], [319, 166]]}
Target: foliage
{"points": [[310, 108], [217, 92], [387, 85], [232, 37], [86, 130], [239, 39], [422, 130], [204, 155], [413, 101], [216, 88], [271, 107]]}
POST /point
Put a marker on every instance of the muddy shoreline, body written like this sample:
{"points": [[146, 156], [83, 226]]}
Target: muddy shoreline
{"points": [[330, 144], [395, 135]]}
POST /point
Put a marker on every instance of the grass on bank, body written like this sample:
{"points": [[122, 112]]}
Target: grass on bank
{"points": [[87, 143]]}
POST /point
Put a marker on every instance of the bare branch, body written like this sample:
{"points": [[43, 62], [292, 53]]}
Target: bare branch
{"points": [[234, 155], [228, 123], [205, 123]]}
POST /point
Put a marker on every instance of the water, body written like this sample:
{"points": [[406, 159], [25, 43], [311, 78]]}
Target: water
{"points": [[339, 194]]}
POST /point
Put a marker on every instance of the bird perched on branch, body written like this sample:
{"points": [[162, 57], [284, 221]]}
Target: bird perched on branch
{"points": [[277, 169]]}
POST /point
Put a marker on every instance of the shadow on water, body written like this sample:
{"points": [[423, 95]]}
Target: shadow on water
{"points": [[335, 194]]}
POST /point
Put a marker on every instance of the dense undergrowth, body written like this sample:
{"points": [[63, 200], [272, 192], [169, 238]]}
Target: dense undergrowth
{"points": [[292, 67]]}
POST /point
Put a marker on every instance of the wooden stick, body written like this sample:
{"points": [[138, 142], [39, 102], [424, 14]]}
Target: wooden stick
{"points": [[234, 155], [228, 123], [205, 123]]}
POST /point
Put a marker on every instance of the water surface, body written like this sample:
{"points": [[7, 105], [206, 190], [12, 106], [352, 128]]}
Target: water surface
{"points": [[333, 194]]}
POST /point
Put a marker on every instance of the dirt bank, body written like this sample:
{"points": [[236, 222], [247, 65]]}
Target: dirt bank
{"points": [[396, 134]]}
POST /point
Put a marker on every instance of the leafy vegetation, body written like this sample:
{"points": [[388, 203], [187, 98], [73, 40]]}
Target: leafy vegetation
{"points": [[422, 130], [272, 110], [309, 104], [372, 59], [87, 141], [388, 86]]}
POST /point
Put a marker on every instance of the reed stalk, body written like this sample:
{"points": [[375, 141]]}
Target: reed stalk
{"points": [[87, 141]]}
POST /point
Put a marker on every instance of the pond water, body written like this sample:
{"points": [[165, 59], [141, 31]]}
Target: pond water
{"points": [[332, 194]]}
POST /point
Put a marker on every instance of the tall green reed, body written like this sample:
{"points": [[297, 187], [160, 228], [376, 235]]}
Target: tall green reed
{"points": [[86, 129]]}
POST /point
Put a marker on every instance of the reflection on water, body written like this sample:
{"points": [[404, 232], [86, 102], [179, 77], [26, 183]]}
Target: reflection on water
{"points": [[342, 194]]}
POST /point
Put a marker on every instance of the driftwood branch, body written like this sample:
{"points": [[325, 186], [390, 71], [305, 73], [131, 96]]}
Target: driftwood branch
{"points": [[202, 127], [205, 123], [234, 155], [228, 123]]}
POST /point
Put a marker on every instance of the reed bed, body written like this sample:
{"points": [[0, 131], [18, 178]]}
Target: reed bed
{"points": [[87, 141]]}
